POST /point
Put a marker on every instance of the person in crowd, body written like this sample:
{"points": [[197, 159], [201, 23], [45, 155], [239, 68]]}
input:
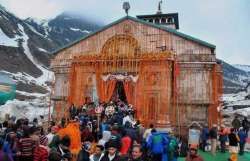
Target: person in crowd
{"points": [[10, 144], [213, 138], [140, 131], [156, 144], [86, 133], [61, 150], [128, 118], [104, 125], [98, 154], [35, 122], [223, 138], [193, 154], [112, 153], [25, 146], [184, 147], [245, 124], [105, 138], [116, 136], [72, 111], [233, 145], [243, 136], [4, 156], [84, 154], [236, 123], [137, 154], [204, 137], [126, 143], [52, 133], [172, 147], [41, 151], [147, 132]]}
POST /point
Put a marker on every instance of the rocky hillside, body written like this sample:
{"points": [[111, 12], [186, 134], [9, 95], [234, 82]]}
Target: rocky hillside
{"points": [[235, 79], [26, 45]]}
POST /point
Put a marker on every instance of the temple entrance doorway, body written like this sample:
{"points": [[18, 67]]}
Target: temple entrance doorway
{"points": [[119, 93]]}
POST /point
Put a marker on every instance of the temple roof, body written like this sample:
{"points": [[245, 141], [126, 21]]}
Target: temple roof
{"points": [[164, 28]]}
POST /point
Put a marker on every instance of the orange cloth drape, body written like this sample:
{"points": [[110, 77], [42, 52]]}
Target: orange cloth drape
{"points": [[72, 130], [110, 86], [128, 87], [100, 85], [104, 89]]}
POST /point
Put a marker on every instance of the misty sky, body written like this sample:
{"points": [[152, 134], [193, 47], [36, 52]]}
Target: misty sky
{"points": [[225, 23]]}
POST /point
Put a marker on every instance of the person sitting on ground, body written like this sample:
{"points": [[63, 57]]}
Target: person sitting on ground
{"points": [[98, 154], [193, 154]]}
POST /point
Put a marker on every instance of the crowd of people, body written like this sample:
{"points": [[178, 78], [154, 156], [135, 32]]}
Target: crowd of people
{"points": [[112, 135], [235, 135]]}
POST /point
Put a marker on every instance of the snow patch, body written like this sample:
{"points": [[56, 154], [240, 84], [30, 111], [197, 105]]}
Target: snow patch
{"points": [[6, 41], [30, 94], [75, 29], [47, 74], [43, 50], [25, 109]]}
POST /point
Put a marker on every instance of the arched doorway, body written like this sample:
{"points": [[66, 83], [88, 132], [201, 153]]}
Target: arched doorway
{"points": [[119, 93]]}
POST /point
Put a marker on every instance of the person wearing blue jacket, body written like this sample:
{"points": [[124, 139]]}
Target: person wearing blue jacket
{"points": [[242, 135], [156, 144], [204, 137]]}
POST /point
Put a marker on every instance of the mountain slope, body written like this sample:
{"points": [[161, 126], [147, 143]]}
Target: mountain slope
{"points": [[25, 45], [36, 39], [245, 68], [234, 79]]}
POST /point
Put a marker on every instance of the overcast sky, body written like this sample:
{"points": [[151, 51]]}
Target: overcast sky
{"points": [[225, 23]]}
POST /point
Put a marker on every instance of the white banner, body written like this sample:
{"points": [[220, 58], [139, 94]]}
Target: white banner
{"points": [[120, 77]]}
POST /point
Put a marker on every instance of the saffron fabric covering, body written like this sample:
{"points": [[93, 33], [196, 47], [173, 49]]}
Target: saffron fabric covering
{"points": [[72, 130], [105, 89], [129, 90]]}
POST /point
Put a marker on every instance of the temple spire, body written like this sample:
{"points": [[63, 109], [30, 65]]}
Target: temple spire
{"points": [[126, 7], [159, 8]]}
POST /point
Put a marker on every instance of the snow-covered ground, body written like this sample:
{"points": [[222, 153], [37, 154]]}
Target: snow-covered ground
{"points": [[235, 104], [25, 109], [30, 108]]}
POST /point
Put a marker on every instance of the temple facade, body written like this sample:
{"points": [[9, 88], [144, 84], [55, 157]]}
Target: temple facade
{"points": [[170, 78]]}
